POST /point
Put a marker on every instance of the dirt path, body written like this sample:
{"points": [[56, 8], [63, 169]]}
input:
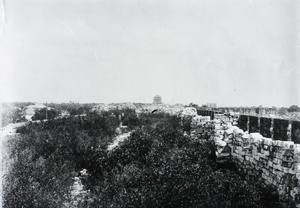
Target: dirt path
{"points": [[78, 193], [118, 139], [6, 131]]}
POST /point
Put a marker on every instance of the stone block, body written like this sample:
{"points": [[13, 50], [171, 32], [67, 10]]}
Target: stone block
{"points": [[276, 143], [239, 148], [280, 168], [291, 171], [279, 173], [238, 131], [239, 139], [220, 142], [292, 194], [275, 166], [297, 158], [285, 170], [246, 136], [220, 132], [270, 163], [266, 147], [230, 130], [261, 164], [278, 155], [270, 180], [297, 151], [267, 141], [297, 167], [224, 154], [266, 153], [265, 171], [287, 144], [275, 160], [256, 157], [288, 152], [278, 179]]}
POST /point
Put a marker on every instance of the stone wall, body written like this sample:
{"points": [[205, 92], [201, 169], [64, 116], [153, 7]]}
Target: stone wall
{"points": [[274, 128], [275, 163]]}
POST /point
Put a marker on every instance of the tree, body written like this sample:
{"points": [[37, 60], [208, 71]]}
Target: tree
{"points": [[282, 111], [293, 108], [274, 108], [44, 114]]}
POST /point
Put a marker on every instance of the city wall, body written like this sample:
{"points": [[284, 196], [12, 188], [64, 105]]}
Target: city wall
{"points": [[264, 149]]}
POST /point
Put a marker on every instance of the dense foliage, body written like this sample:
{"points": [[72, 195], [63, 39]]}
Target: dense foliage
{"points": [[47, 155], [158, 166], [44, 113], [294, 108], [71, 107]]}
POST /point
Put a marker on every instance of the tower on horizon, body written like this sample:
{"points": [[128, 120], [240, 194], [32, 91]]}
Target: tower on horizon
{"points": [[157, 100]]}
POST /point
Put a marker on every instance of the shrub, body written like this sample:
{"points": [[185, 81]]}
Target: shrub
{"points": [[160, 167], [157, 166], [46, 156]]}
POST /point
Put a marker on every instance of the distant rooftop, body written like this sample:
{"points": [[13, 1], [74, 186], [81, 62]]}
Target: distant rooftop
{"points": [[157, 100]]}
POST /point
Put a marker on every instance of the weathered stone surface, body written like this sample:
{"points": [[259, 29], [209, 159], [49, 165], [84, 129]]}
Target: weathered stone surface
{"points": [[274, 162], [220, 142], [256, 136]]}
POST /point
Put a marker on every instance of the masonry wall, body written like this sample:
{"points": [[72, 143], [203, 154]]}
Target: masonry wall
{"points": [[275, 163]]}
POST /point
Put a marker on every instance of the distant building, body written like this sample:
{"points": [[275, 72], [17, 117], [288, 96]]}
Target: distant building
{"points": [[157, 100], [212, 105]]}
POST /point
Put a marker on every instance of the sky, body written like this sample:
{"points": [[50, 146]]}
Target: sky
{"points": [[229, 52]]}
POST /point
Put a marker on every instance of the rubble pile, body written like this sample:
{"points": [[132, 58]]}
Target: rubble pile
{"points": [[202, 127]]}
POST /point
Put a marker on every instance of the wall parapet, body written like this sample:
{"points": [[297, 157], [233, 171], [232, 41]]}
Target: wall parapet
{"points": [[274, 128]]}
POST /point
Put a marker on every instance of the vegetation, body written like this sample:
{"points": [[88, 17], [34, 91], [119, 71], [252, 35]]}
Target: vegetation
{"points": [[44, 113], [282, 111], [71, 108], [293, 108], [158, 166]]}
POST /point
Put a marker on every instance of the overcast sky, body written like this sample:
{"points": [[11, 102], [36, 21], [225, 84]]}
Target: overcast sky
{"points": [[231, 52]]}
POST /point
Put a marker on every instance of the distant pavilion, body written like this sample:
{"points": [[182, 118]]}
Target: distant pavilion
{"points": [[157, 100]]}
